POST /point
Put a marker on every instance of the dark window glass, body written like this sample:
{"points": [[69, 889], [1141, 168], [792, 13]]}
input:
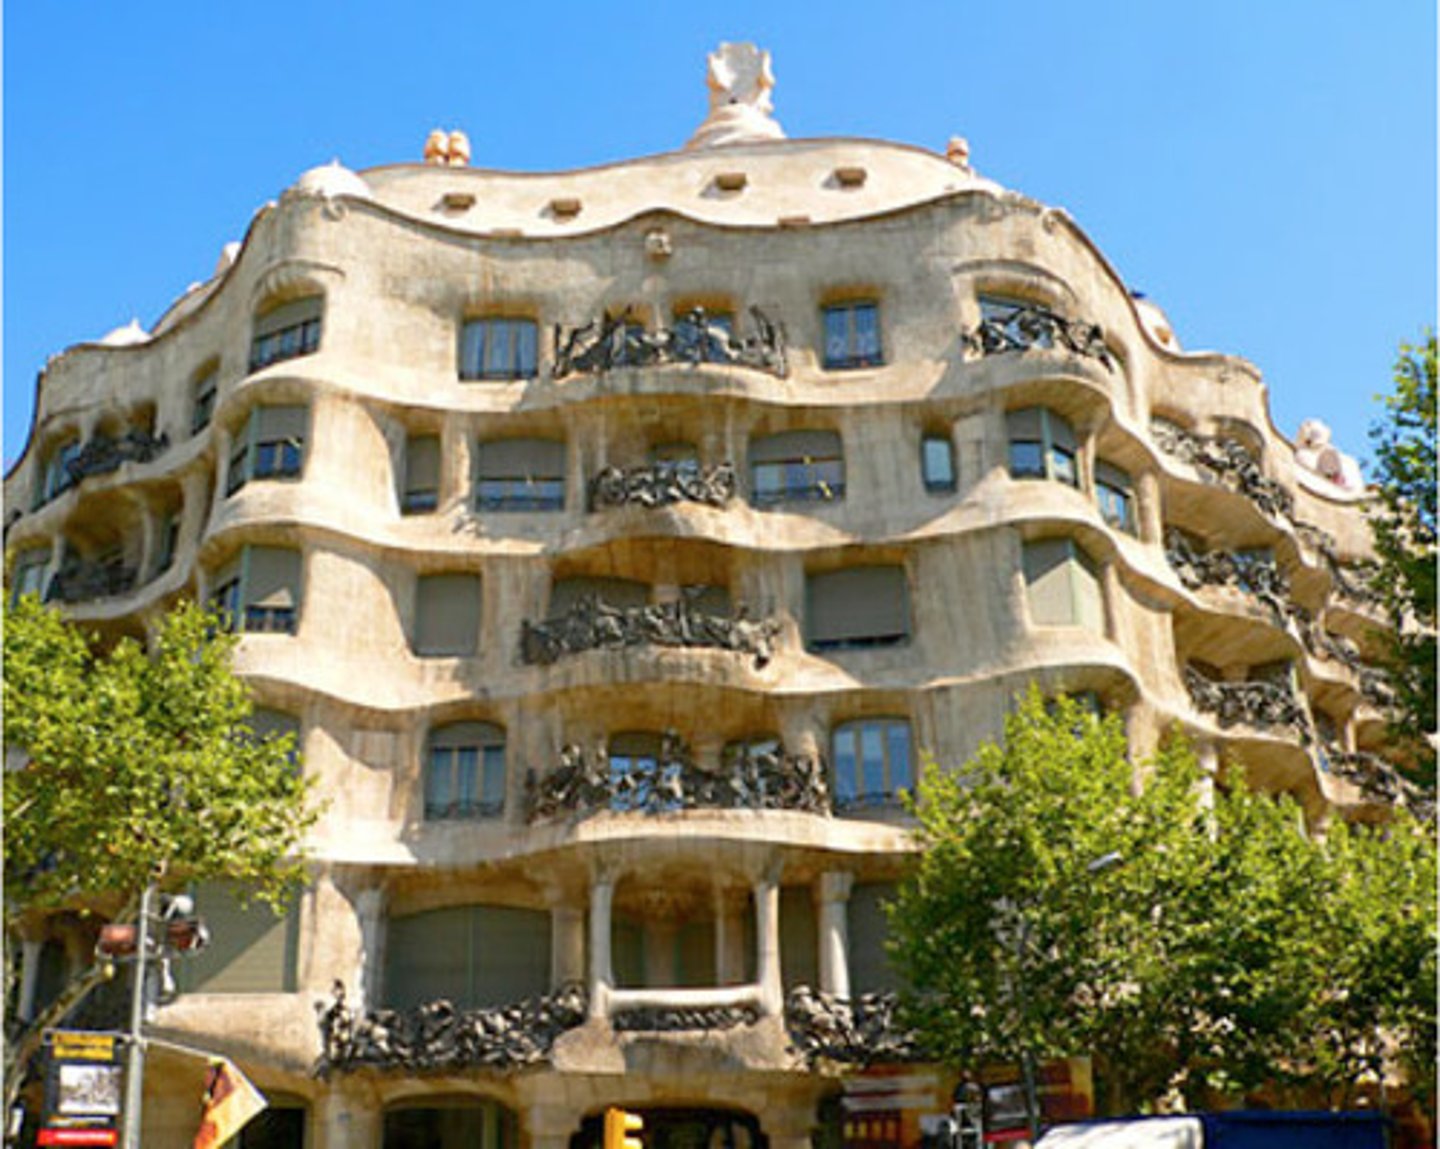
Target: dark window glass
{"points": [[465, 773], [499, 349], [872, 762], [937, 463], [852, 335]]}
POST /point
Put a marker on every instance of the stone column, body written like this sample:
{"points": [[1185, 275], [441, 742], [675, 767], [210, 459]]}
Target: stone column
{"points": [[767, 942], [832, 895], [370, 916], [1208, 756], [1148, 521], [345, 1117], [602, 975], [31, 947]]}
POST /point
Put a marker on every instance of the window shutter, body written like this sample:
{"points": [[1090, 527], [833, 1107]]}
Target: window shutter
{"points": [[799, 938], [466, 734], [511, 954], [695, 954], [272, 423], [1024, 424], [1061, 433], [1111, 475], [1047, 582], [422, 463], [265, 722], [521, 458], [857, 604], [251, 950], [795, 445], [429, 958], [272, 577], [870, 968], [447, 614], [290, 314]]}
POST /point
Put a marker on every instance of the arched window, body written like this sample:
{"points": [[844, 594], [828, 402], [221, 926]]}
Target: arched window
{"points": [[465, 771]]}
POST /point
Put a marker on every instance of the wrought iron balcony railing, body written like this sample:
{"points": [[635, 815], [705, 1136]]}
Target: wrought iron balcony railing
{"points": [[663, 485], [1265, 705], [619, 341], [1029, 327]]}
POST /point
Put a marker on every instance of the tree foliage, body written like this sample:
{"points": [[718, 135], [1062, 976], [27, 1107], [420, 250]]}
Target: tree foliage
{"points": [[136, 762], [1223, 950], [1404, 530]]}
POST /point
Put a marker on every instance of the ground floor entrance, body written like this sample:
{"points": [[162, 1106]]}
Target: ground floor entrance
{"points": [[683, 1128]]}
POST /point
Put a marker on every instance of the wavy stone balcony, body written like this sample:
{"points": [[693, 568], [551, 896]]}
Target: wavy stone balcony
{"points": [[1263, 705], [663, 485], [1029, 327], [615, 342], [671, 781], [593, 624]]}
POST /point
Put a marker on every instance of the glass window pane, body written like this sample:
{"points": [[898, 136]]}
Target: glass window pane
{"points": [[497, 350], [837, 335], [897, 737], [872, 753], [493, 793], [867, 333], [472, 349], [845, 772], [1027, 460], [1063, 463], [938, 463], [468, 776], [526, 354], [438, 792]]}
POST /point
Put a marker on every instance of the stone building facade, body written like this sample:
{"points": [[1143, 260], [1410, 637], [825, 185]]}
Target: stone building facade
{"points": [[619, 543]]}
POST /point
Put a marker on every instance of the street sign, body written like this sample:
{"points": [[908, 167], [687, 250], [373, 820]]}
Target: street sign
{"points": [[83, 1081]]}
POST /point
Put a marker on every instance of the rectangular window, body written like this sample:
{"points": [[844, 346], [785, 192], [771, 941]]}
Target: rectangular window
{"points": [[271, 446], [204, 401], [797, 466], [500, 349], [1115, 497], [465, 772], [169, 541], [1062, 586], [872, 762], [852, 335], [56, 478], [287, 332], [520, 475], [420, 493], [856, 608], [252, 948], [29, 576], [937, 463], [1042, 446], [259, 592], [447, 615]]}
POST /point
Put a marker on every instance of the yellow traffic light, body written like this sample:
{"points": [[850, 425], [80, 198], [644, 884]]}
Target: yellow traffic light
{"points": [[619, 1125]]}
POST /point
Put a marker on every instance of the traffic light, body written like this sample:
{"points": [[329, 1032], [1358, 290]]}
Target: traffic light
{"points": [[619, 1125]]}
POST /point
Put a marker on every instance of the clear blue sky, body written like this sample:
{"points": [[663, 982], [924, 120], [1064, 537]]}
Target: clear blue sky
{"points": [[1264, 169]]}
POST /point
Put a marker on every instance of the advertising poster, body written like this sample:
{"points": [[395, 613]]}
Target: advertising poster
{"points": [[84, 1084]]}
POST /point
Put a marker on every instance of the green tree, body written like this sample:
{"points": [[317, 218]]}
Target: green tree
{"points": [[137, 761], [1403, 525], [1223, 950]]}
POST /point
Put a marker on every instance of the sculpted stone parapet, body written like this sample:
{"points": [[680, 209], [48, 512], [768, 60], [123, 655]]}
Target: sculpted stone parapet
{"points": [[593, 624], [663, 485], [585, 783], [862, 1031], [1030, 327], [619, 341], [437, 1036], [1265, 705]]}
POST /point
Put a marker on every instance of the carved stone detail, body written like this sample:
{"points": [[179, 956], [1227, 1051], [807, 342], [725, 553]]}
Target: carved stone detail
{"points": [[1256, 703], [436, 1036], [1028, 327], [593, 624], [584, 783], [663, 485], [616, 341], [861, 1032]]}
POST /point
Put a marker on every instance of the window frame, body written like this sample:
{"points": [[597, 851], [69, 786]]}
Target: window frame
{"points": [[488, 764], [816, 485], [858, 795], [31, 564], [204, 391], [276, 457], [1108, 491], [1048, 445], [515, 327], [552, 496], [855, 354], [940, 486], [274, 341], [229, 596], [1076, 556], [417, 498], [55, 477]]}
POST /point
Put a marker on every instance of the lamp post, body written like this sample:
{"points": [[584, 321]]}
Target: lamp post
{"points": [[135, 1053]]}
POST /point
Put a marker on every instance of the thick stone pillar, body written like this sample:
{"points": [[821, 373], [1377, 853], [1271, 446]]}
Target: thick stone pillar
{"points": [[832, 896], [602, 975], [1148, 521], [346, 1117], [767, 942]]}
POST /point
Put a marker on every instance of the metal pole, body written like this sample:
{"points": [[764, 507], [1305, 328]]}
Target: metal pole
{"points": [[1027, 1055], [135, 1055]]}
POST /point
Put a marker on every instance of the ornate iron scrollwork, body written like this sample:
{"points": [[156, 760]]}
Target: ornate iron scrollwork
{"points": [[81, 581], [663, 485], [863, 1031], [102, 453], [438, 1036], [1028, 327], [661, 1019], [617, 341], [1222, 460], [1256, 703], [584, 783], [593, 624]]}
